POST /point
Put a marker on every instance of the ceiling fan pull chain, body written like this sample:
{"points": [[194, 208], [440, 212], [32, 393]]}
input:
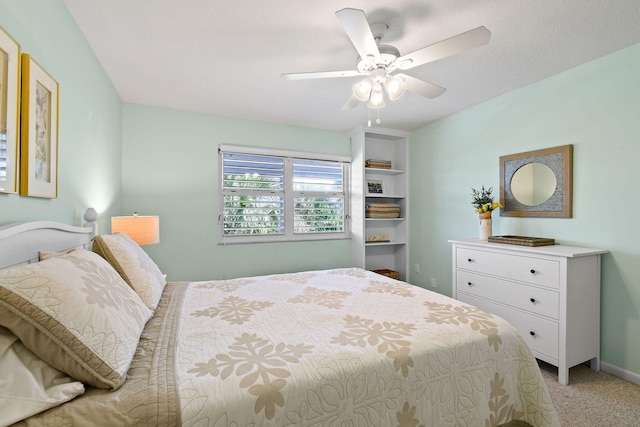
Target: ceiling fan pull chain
{"points": [[378, 119], [369, 122]]}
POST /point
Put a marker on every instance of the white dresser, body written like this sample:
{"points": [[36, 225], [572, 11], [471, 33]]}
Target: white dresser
{"points": [[550, 294]]}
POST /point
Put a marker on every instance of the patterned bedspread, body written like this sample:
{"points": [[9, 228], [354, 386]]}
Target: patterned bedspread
{"points": [[343, 347]]}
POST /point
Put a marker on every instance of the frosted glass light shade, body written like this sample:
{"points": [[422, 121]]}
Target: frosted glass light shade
{"points": [[144, 230], [395, 87], [362, 89], [377, 97]]}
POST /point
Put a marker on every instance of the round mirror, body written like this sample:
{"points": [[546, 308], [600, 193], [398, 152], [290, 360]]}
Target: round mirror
{"points": [[533, 184]]}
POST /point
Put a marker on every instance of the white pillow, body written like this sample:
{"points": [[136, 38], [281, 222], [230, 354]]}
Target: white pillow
{"points": [[27, 384]]}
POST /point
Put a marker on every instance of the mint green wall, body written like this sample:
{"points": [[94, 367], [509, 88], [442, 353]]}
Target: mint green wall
{"points": [[595, 107], [170, 169], [90, 116]]}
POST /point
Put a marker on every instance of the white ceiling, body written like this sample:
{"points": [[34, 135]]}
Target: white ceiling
{"points": [[226, 57]]}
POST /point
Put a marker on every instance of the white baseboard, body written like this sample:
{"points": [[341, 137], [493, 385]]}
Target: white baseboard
{"points": [[632, 377]]}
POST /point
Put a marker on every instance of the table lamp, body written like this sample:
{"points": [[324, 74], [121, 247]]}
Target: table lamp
{"points": [[144, 230]]}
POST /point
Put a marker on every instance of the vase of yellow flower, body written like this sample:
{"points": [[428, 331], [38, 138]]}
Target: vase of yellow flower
{"points": [[484, 204]]}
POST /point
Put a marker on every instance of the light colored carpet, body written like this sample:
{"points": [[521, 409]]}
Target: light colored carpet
{"points": [[593, 398]]}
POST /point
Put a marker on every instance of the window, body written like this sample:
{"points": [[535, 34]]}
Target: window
{"points": [[279, 196]]}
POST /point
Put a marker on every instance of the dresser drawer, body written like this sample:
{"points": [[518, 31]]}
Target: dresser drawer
{"points": [[538, 271], [540, 334], [535, 300]]}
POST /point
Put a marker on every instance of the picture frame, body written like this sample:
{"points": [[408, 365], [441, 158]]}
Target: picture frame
{"points": [[9, 108], [375, 187], [38, 131]]}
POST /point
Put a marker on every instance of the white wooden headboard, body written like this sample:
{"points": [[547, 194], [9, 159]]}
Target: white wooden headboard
{"points": [[20, 243]]}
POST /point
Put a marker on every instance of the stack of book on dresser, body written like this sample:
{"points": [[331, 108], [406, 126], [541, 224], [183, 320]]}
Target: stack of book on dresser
{"points": [[378, 164], [382, 210]]}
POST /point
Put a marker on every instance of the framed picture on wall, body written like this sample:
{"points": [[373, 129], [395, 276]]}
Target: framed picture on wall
{"points": [[39, 132], [9, 101]]}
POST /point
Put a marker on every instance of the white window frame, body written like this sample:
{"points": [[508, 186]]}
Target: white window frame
{"points": [[289, 195]]}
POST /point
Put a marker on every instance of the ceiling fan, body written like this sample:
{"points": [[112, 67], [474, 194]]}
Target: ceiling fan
{"points": [[378, 61]]}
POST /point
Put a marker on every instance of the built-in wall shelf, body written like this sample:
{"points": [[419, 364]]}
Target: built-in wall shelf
{"points": [[384, 171], [383, 196], [386, 145], [384, 243]]}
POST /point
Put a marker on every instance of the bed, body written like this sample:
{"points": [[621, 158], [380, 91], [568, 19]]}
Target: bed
{"points": [[120, 346]]}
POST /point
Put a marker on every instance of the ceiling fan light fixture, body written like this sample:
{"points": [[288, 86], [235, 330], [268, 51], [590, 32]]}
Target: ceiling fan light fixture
{"points": [[395, 87], [362, 89], [376, 100], [377, 61]]}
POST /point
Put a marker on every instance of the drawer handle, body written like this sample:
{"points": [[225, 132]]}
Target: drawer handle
{"points": [[469, 284], [469, 260], [532, 299], [532, 333], [533, 271]]}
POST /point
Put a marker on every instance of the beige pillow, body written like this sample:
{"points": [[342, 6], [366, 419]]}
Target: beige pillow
{"points": [[134, 265], [77, 314], [46, 255]]}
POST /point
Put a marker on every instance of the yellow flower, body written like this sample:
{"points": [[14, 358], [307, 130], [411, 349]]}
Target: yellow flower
{"points": [[483, 200]]}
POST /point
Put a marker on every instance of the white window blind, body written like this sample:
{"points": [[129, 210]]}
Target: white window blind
{"points": [[319, 196], [253, 188], [281, 197]]}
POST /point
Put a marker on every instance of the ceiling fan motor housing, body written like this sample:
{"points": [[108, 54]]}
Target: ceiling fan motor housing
{"points": [[388, 54]]}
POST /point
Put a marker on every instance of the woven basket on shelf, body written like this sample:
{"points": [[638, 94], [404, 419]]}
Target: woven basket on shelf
{"points": [[389, 273]]}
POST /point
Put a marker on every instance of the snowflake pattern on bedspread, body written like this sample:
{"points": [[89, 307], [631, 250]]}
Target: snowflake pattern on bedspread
{"points": [[326, 298], [225, 285], [479, 320], [262, 366], [388, 338], [234, 310], [398, 288]]}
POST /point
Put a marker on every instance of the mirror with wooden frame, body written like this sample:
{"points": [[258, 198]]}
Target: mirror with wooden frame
{"points": [[537, 183]]}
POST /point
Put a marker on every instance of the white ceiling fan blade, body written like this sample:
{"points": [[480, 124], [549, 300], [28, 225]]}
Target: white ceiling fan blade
{"points": [[320, 75], [448, 47], [351, 103], [355, 24], [421, 87]]}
